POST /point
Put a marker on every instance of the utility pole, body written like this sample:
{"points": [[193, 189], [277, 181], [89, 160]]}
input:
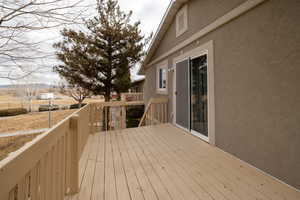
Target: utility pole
{"points": [[49, 112]]}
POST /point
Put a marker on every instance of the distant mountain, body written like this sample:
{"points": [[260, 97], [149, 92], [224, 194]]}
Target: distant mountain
{"points": [[37, 85]]}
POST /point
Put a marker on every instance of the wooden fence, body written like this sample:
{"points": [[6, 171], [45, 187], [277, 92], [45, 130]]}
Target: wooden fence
{"points": [[110, 115], [132, 96], [47, 167], [156, 112]]}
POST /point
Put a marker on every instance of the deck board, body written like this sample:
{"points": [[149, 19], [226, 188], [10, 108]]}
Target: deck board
{"points": [[99, 178], [165, 163]]}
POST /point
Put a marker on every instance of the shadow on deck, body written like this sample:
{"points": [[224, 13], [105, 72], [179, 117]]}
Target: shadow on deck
{"points": [[164, 162]]}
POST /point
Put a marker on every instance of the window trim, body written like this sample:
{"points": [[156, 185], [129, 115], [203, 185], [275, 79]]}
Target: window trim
{"points": [[183, 11], [162, 65], [206, 48]]}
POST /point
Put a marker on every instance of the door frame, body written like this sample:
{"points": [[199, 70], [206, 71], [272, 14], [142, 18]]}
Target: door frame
{"points": [[174, 92], [196, 133], [207, 49]]}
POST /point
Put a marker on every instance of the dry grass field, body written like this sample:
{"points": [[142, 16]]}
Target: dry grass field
{"points": [[11, 144], [32, 121], [25, 122], [10, 101]]}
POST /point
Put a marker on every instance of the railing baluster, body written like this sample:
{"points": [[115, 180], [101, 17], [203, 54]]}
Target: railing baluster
{"points": [[54, 171], [155, 112], [42, 177], [124, 117], [33, 182], [21, 189], [63, 167], [106, 118], [74, 126], [27, 185], [111, 119], [59, 171], [12, 194], [51, 172]]}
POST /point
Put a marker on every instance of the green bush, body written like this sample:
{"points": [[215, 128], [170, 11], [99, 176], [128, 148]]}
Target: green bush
{"points": [[47, 107], [134, 115], [77, 106], [132, 122], [135, 111], [12, 112]]}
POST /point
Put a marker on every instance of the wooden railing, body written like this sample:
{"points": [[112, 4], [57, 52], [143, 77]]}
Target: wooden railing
{"points": [[156, 112], [48, 166], [110, 115], [132, 96]]}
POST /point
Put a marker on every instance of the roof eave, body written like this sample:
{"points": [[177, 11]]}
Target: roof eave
{"points": [[166, 21]]}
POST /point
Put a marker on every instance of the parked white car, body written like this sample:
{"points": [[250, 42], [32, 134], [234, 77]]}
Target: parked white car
{"points": [[46, 96]]}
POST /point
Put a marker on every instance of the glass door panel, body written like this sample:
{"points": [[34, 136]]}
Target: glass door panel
{"points": [[199, 101], [182, 94]]}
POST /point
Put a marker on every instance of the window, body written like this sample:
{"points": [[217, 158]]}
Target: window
{"points": [[182, 21], [162, 72], [162, 78]]}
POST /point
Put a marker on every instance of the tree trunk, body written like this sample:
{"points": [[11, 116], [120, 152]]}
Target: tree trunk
{"points": [[79, 103], [107, 97], [106, 113]]}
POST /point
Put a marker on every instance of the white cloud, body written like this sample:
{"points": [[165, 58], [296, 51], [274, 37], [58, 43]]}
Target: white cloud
{"points": [[148, 12]]}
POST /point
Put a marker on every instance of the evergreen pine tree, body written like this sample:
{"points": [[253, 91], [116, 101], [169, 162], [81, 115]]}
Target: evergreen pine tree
{"points": [[100, 59]]}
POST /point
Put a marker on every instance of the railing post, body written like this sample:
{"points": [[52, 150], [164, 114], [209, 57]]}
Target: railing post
{"points": [[123, 117], [123, 97], [91, 118], [93, 114], [74, 185]]}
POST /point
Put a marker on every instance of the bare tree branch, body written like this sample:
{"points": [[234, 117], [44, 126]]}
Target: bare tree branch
{"points": [[76, 92], [20, 53]]}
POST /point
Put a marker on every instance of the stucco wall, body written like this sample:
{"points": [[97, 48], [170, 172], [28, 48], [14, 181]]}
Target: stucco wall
{"points": [[257, 85], [150, 88], [216, 9]]}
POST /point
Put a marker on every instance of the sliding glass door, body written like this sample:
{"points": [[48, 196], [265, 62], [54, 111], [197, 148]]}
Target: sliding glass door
{"points": [[198, 96], [191, 96], [182, 94]]}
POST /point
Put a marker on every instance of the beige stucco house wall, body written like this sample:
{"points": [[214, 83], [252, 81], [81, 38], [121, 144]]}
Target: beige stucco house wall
{"points": [[256, 79]]}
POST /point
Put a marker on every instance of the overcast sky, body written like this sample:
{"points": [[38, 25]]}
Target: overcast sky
{"points": [[149, 12]]}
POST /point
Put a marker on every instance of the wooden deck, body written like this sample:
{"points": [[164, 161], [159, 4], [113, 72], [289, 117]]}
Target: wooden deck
{"points": [[163, 162]]}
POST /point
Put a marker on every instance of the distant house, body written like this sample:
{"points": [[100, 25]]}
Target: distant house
{"points": [[45, 96], [231, 72], [137, 85]]}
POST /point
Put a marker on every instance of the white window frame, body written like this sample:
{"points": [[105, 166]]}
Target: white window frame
{"points": [[183, 11], [163, 65]]}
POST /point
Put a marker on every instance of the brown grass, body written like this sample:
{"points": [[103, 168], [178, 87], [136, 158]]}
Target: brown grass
{"points": [[32, 121], [25, 122], [9, 101], [28, 121], [11, 144]]}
